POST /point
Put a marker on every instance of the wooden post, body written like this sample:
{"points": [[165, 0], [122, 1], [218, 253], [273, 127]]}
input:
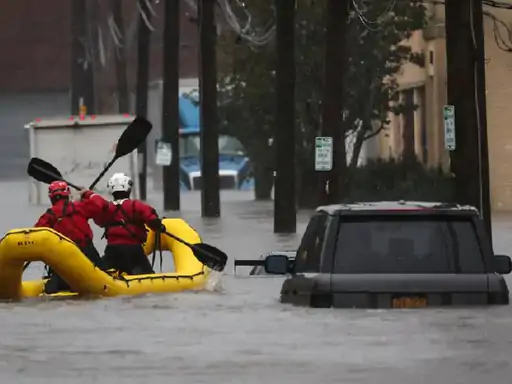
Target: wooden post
{"points": [[78, 55], [170, 107], [123, 99], [210, 196], [143, 56], [331, 181], [285, 217], [466, 91]]}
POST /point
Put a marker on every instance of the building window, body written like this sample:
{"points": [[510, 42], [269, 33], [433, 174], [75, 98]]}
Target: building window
{"points": [[413, 128]]}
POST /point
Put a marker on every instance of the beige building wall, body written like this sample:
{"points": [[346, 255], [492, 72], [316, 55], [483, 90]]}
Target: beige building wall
{"points": [[499, 112], [429, 85]]}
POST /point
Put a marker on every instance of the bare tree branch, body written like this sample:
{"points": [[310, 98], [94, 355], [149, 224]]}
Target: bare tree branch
{"points": [[376, 132]]}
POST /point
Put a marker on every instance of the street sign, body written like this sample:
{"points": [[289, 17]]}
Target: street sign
{"points": [[163, 153], [449, 127], [323, 153]]}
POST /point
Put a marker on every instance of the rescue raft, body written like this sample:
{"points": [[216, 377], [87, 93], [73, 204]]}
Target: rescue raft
{"points": [[65, 258]]}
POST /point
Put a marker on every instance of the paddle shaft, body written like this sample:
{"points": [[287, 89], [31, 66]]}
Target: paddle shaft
{"points": [[212, 257], [147, 129], [105, 170], [127, 143], [191, 246]]}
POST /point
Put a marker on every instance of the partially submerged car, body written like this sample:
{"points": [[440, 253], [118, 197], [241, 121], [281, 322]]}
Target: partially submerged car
{"points": [[391, 255]]}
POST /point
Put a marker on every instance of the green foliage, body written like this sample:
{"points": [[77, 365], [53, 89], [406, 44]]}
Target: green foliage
{"points": [[399, 180], [374, 58], [247, 92]]}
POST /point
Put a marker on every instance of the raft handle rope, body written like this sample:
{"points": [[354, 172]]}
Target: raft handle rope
{"points": [[157, 244]]}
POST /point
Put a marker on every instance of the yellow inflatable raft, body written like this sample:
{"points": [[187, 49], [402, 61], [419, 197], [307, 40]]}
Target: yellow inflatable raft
{"points": [[63, 256]]}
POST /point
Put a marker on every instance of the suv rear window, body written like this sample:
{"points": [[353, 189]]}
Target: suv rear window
{"points": [[408, 244]]}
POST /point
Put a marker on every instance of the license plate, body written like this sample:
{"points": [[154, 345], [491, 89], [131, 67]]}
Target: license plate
{"points": [[409, 302]]}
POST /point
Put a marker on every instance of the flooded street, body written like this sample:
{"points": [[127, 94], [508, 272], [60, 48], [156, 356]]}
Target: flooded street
{"points": [[240, 333]]}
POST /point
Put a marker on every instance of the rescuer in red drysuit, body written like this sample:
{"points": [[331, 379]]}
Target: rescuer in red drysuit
{"points": [[70, 218], [124, 222]]}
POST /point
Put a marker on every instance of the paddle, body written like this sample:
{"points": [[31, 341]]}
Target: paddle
{"points": [[207, 254], [132, 137], [134, 134], [45, 172]]}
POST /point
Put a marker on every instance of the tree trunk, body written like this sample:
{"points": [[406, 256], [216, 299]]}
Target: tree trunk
{"points": [[123, 98], [356, 150], [307, 188], [263, 182]]}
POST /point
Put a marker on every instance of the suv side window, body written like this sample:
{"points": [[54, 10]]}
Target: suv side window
{"points": [[311, 246], [466, 244]]}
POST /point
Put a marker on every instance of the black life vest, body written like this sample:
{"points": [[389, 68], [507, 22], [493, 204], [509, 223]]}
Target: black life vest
{"points": [[126, 222]]}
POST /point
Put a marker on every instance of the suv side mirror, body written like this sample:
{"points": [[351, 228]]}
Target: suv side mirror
{"points": [[277, 265], [502, 264]]}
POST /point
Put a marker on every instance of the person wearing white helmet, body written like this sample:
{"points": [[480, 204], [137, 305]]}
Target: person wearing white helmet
{"points": [[124, 221]]}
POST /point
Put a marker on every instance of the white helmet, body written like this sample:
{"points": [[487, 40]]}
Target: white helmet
{"points": [[119, 182]]}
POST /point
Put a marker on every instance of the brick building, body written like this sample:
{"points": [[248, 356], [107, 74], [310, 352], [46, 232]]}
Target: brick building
{"points": [[36, 35], [35, 66]]}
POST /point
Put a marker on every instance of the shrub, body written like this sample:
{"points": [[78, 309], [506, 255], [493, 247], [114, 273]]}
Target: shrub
{"points": [[399, 180]]}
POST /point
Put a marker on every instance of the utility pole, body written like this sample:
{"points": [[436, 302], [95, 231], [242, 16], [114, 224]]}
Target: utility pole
{"points": [[481, 102], [331, 181], [91, 25], [143, 53], [170, 108], [285, 215], [466, 92], [210, 196], [120, 58], [81, 66]]}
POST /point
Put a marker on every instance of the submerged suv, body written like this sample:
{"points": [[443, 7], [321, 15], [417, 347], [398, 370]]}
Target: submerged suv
{"points": [[391, 254]]}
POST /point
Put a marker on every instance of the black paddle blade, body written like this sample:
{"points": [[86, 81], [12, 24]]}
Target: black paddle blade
{"points": [[210, 256], [133, 136], [43, 171]]}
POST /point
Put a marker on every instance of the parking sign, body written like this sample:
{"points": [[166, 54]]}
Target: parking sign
{"points": [[323, 153], [449, 127]]}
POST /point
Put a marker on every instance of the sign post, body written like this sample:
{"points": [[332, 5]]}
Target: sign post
{"points": [[449, 127], [323, 153]]}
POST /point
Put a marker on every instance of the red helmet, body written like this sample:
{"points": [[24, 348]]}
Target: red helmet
{"points": [[58, 188]]}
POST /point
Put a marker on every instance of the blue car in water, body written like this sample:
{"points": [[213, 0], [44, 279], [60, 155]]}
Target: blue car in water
{"points": [[235, 170]]}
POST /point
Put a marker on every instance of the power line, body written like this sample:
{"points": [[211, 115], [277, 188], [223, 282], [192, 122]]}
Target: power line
{"points": [[144, 15], [497, 4], [501, 42], [489, 3], [360, 9], [246, 31], [243, 28], [504, 44]]}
